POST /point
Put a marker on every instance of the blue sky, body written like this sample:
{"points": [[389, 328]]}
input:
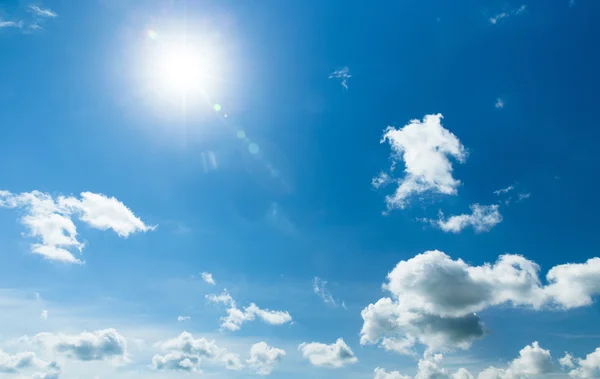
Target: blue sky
{"points": [[311, 157]]}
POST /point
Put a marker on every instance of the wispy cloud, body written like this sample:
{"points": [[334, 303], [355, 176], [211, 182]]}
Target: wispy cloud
{"points": [[499, 103], [11, 24], [482, 219], [343, 75], [208, 278], [42, 12], [183, 318], [524, 196], [504, 190], [515, 12], [320, 289]]}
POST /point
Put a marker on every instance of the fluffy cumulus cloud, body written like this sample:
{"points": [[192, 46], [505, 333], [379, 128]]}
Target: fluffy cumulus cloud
{"points": [[434, 299], [532, 361], [335, 355], [382, 374], [588, 367], [208, 278], [425, 149], [236, 316], [106, 344], [186, 353], [50, 220], [263, 358], [14, 363], [482, 219]]}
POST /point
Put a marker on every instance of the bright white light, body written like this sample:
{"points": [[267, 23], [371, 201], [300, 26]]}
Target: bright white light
{"points": [[183, 69]]}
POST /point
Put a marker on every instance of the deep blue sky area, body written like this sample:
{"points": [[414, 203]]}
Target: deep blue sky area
{"points": [[154, 153]]}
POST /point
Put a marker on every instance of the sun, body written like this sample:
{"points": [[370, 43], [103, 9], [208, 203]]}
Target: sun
{"points": [[181, 65], [183, 69]]}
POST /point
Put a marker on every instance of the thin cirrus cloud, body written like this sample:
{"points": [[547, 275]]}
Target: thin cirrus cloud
{"points": [[533, 360], [342, 75], [425, 149], [42, 12], [482, 219], [425, 308], [320, 289], [187, 353], [503, 15], [50, 220], [236, 317], [263, 358], [336, 355]]}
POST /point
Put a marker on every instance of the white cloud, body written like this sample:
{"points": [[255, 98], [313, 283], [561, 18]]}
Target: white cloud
{"points": [[13, 363], [44, 315], [42, 12], [106, 344], [482, 218], [52, 371], [183, 318], [263, 358], [567, 361], [208, 278], [425, 148], [532, 361], [319, 288], [11, 24], [236, 317], [588, 367], [504, 190], [50, 220], [343, 75], [223, 298], [524, 196], [499, 103], [335, 355], [187, 353], [435, 299], [382, 374], [515, 12]]}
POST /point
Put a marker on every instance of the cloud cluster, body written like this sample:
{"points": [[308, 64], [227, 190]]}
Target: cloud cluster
{"points": [[434, 299], [236, 317], [13, 363], [263, 358], [50, 220], [425, 148], [532, 361], [482, 219], [186, 353], [335, 355], [588, 367], [39, 16]]}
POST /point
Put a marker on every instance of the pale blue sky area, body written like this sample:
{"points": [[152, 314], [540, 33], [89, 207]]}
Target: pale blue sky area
{"points": [[276, 177]]}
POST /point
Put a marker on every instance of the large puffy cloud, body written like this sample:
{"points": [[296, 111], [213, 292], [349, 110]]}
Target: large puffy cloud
{"points": [[187, 353], [425, 147], [588, 367], [434, 298], [236, 317], [482, 219], [106, 344], [335, 355], [263, 358], [50, 220]]}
